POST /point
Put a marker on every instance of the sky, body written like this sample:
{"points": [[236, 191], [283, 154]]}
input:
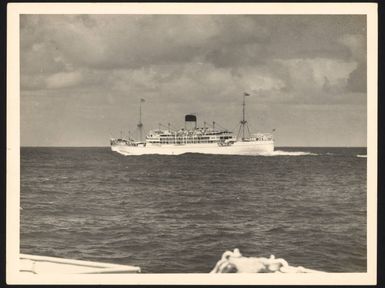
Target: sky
{"points": [[82, 76]]}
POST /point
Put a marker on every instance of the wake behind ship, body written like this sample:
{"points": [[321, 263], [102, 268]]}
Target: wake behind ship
{"points": [[206, 140]]}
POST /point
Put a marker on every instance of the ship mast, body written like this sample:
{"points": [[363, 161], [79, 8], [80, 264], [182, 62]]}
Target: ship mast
{"points": [[140, 124], [243, 122]]}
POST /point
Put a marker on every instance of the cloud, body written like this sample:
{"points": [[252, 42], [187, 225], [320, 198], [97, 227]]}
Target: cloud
{"points": [[258, 79], [356, 43], [32, 82], [310, 74], [133, 41], [63, 80], [357, 79], [108, 41]]}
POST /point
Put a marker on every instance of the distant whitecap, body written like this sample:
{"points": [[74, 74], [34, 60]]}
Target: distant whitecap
{"points": [[288, 153]]}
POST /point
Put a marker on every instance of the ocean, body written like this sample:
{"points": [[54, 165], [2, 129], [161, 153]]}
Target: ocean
{"points": [[178, 214]]}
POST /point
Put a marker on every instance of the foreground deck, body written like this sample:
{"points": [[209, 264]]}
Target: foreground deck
{"points": [[53, 265]]}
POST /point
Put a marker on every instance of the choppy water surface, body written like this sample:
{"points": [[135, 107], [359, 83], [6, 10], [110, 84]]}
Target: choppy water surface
{"points": [[178, 214]]}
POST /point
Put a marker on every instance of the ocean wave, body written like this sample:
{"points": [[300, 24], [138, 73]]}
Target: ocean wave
{"points": [[288, 153], [179, 202]]}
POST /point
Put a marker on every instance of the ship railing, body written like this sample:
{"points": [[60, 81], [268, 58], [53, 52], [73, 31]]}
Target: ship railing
{"points": [[262, 137]]}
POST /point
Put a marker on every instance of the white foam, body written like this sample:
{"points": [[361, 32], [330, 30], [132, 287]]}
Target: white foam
{"points": [[362, 156], [274, 153], [288, 153]]}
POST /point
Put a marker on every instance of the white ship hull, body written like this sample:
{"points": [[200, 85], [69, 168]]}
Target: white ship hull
{"points": [[238, 148]]}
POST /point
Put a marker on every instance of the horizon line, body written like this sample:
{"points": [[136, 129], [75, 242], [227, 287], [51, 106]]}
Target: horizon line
{"points": [[295, 146]]}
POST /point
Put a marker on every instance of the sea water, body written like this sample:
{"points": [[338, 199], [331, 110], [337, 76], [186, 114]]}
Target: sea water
{"points": [[178, 214]]}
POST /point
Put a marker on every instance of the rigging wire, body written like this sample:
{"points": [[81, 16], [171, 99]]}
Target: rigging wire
{"points": [[219, 125], [235, 127], [168, 126]]}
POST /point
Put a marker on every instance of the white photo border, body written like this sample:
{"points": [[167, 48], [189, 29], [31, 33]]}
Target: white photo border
{"points": [[14, 10]]}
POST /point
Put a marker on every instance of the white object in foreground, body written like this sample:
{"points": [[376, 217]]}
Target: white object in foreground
{"points": [[234, 262], [52, 265]]}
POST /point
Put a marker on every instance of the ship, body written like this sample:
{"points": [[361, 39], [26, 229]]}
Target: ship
{"points": [[194, 139]]}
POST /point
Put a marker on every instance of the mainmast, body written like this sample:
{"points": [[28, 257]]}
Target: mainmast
{"points": [[140, 124], [243, 122]]}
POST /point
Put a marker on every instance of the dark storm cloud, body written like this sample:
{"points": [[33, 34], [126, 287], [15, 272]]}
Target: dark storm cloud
{"points": [[64, 43]]}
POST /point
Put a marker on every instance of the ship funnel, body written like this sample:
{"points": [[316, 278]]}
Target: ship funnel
{"points": [[190, 118]]}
